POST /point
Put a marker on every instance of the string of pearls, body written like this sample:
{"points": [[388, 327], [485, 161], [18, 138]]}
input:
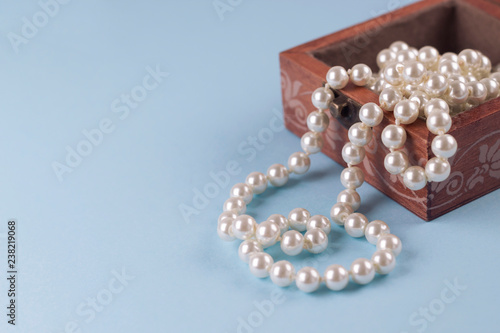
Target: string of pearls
{"points": [[233, 223]]}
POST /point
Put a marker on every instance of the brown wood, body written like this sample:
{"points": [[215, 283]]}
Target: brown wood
{"points": [[445, 24]]}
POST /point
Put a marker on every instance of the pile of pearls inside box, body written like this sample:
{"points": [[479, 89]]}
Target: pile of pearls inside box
{"points": [[411, 83]]}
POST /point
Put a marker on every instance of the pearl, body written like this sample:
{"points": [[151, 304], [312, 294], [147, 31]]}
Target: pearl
{"points": [[393, 136], [257, 181], [299, 163], [337, 77], [318, 121], [390, 242], [495, 76], [444, 146], [457, 93], [438, 122], [436, 85], [456, 77], [484, 67], [227, 216], [449, 56], [277, 175], [242, 191], [398, 46], [352, 177], [308, 279], [406, 111], [375, 229], [492, 88], [477, 93], [260, 264], [224, 230], [414, 178], [449, 67], [428, 55], [298, 218], [396, 162], [389, 97], [384, 57], [414, 72], [404, 56], [384, 261], [336, 277], [420, 98], [393, 75], [360, 74], [267, 233], [350, 197], [235, 205], [321, 98], [371, 114], [436, 104], [469, 60], [315, 241], [247, 248], [378, 85], [340, 211], [281, 221], [437, 169], [319, 222], [282, 273], [362, 271], [360, 134], [311, 142], [355, 225], [244, 227], [353, 154], [292, 242]]}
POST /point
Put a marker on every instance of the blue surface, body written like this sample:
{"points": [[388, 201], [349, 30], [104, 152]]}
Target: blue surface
{"points": [[117, 213]]}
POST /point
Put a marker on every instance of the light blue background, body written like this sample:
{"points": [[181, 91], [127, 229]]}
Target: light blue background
{"points": [[119, 209]]}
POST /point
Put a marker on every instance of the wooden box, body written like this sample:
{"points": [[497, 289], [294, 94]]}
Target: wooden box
{"points": [[445, 24]]}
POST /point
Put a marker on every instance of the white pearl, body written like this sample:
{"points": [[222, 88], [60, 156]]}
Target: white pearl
{"points": [[244, 227], [495, 76], [336, 277], [355, 225], [414, 178], [257, 181], [396, 162], [235, 205], [378, 85], [319, 222], [384, 57], [390, 242], [393, 74], [398, 46], [470, 78], [436, 104], [277, 175], [436, 85], [247, 248], [260, 264], [383, 261], [340, 211], [299, 163], [437, 169], [428, 55], [308, 279], [449, 56], [282, 273], [438, 122], [477, 93], [360, 134], [389, 97], [281, 221], [224, 229], [456, 77], [414, 72], [353, 154], [243, 191], [315, 241], [298, 218], [444, 146], [457, 93], [485, 66], [360, 74], [375, 229], [318, 121], [352, 177], [404, 56], [492, 88], [311, 142], [362, 271], [227, 216], [350, 197], [267, 233], [406, 111], [337, 77], [371, 114], [393, 136], [449, 67], [292, 242], [469, 60], [321, 98]]}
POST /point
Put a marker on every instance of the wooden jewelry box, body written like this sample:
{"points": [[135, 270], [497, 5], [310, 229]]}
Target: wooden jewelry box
{"points": [[448, 25]]}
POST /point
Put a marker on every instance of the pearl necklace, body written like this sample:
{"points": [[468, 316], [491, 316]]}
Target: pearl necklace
{"points": [[411, 83]]}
